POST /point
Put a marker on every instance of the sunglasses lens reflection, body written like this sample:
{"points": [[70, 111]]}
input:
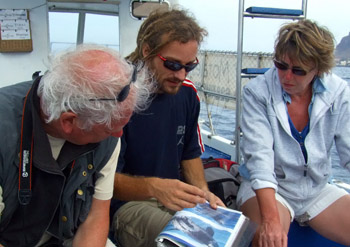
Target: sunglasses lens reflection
{"points": [[190, 67], [295, 71], [298, 71], [174, 66], [280, 66]]}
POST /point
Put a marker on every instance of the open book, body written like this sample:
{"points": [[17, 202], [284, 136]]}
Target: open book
{"points": [[204, 226]]}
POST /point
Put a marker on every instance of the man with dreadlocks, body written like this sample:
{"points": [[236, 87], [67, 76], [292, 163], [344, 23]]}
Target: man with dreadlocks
{"points": [[159, 169]]}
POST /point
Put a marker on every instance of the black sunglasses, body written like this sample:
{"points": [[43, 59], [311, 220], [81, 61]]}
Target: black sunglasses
{"points": [[284, 66], [124, 92], [175, 66]]}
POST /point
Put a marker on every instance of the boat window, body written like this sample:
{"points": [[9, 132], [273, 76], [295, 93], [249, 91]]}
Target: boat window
{"points": [[102, 29], [141, 9], [63, 30], [72, 23]]}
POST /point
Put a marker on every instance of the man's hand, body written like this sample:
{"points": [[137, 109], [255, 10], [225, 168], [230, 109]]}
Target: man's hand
{"points": [[213, 200], [177, 195]]}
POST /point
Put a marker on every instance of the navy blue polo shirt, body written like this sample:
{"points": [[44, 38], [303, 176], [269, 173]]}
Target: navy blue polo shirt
{"points": [[156, 140]]}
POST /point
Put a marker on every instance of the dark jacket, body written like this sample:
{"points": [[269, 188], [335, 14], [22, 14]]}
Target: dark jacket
{"points": [[61, 192]]}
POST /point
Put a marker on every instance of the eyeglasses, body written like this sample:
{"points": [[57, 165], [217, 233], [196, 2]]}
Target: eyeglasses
{"points": [[295, 70], [175, 66], [124, 92]]}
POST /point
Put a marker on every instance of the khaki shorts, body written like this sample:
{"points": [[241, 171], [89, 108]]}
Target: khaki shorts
{"points": [[301, 211], [138, 223]]}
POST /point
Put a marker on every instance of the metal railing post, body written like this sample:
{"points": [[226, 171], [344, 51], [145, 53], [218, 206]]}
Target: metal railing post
{"points": [[238, 80]]}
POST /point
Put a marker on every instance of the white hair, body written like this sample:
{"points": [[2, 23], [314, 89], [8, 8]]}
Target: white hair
{"points": [[77, 79]]}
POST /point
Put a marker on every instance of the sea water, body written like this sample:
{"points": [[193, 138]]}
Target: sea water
{"points": [[224, 123]]}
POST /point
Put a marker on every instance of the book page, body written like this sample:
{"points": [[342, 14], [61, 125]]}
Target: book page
{"points": [[204, 226]]}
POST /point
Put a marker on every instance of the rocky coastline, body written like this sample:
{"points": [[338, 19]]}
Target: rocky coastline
{"points": [[342, 52]]}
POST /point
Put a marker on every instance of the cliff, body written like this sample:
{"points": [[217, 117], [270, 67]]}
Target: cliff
{"points": [[342, 51]]}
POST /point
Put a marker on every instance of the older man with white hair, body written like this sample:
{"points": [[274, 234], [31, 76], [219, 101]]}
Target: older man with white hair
{"points": [[60, 145]]}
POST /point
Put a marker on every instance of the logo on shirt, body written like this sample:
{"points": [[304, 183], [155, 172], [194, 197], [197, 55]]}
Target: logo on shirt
{"points": [[181, 131]]}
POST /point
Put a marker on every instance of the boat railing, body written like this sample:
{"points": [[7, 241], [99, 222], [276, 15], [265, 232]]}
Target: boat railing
{"points": [[215, 80]]}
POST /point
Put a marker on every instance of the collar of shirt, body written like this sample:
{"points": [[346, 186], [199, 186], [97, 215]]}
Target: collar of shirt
{"points": [[318, 86]]}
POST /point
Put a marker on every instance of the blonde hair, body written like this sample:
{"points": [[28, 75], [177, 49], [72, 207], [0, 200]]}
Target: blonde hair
{"points": [[308, 44]]}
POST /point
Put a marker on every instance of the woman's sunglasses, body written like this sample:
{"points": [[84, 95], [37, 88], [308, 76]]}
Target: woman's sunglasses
{"points": [[295, 70], [175, 66]]}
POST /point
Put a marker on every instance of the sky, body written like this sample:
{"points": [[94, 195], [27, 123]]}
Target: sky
{"points": [[221, 21]]}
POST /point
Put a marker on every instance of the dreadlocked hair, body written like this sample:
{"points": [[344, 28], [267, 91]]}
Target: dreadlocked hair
{"points": [[163, 27]]}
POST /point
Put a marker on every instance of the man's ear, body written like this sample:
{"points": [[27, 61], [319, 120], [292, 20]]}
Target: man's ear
{"points": [[145, 50], [68, 121]]}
